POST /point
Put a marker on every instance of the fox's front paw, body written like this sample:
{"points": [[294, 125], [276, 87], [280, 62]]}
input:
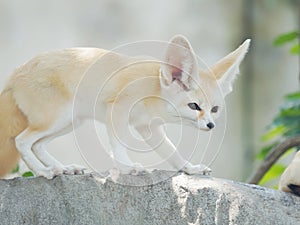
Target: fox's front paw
{"points": [[52, 171], [134, 169], [48, 172], [196, 169], [137, 169], [73, 169]]}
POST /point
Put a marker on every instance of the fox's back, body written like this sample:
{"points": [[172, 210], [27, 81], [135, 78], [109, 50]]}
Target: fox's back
{"points": [[61, 71], [56, 68]]}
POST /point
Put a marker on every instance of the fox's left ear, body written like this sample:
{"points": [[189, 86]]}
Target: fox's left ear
{"points": [[180, 64], [227, 68]]}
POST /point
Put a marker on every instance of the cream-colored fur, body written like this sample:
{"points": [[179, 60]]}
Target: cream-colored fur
{"points": [[37, 104], [12, 122], [291, 175]]}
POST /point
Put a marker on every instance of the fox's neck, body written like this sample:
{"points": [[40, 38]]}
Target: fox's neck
{"points": [[150, 91], [137, 80], [140, 83]]}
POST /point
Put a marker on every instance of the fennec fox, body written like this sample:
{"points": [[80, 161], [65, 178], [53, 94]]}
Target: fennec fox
{"points": [[36, 105]]}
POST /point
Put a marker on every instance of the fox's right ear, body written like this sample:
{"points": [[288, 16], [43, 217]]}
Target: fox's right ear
{"points": [[179, 64], [227, 68]]}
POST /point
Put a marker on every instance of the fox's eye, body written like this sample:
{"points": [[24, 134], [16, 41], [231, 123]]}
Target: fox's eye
{"points": [[194, 106], [215, 109]]}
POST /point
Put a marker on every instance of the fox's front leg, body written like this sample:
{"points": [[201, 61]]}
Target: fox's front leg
{"points": [[156, 137], [118, 133]]}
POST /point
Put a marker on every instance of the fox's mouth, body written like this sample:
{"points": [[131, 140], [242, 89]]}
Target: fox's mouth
{"points": [[204, 129]]}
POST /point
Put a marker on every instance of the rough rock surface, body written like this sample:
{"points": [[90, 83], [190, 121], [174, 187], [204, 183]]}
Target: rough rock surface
{"points": [[158, 198]]}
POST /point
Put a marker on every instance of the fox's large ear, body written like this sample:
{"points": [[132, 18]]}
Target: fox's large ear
{"points": [[179, 64], [227, 68]]}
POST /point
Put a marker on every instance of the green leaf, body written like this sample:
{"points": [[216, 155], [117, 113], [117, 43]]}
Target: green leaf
{"points": [[15, 170], [293, 96], [291, 112], [295, 49], [273, 173], [274, 132], [285, 38], [28, 174]]}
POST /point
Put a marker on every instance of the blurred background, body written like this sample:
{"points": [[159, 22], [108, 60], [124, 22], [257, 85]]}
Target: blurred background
{"points": [[214, 29]]}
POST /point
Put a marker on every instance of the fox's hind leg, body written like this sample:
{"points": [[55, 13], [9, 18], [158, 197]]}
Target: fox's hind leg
{"points": [[24, 142], [40, 150], [31, 145]]}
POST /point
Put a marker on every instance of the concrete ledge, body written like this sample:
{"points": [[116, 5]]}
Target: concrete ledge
{"points": [[170, 199]]}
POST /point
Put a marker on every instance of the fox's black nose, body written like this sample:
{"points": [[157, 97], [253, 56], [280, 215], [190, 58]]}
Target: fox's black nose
{"points": [[210, 125]]}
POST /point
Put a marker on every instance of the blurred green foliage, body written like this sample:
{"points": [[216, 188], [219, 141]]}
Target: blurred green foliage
{"points": [[286, 123], [291, 37], [16, 170], [28, 174]]}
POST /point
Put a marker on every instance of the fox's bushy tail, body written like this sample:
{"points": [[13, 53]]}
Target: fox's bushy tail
{"points": [[12, 122]]}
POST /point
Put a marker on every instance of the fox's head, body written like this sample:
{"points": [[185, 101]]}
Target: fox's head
{"points": [[196, 96]]}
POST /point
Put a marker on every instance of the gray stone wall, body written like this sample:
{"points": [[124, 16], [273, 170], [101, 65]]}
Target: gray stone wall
{"points": [[160, 198]]}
